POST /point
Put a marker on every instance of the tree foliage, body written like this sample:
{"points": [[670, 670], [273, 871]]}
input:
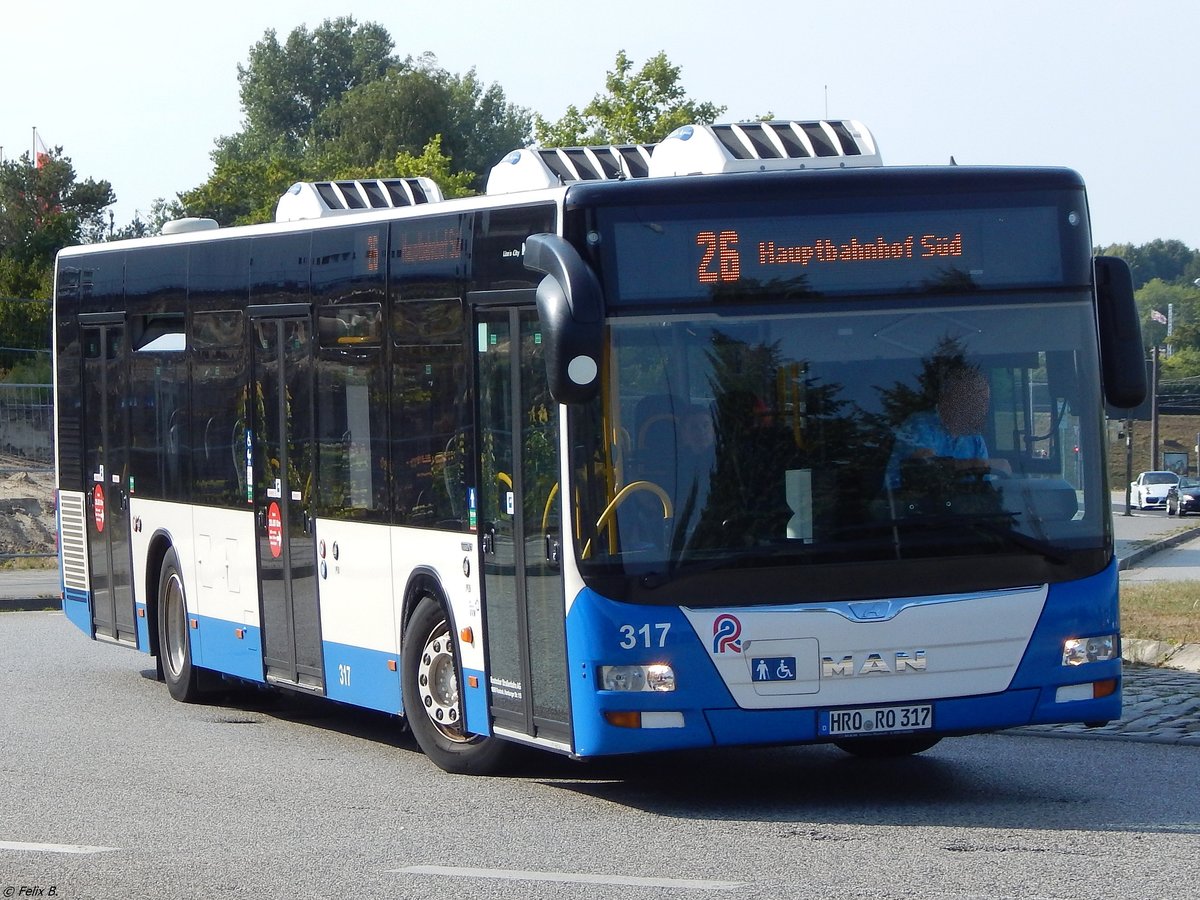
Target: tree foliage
{"points": [[336, 100], [44, 208], [1168, 261], [285, 87], [431, 163], [637, 108]]}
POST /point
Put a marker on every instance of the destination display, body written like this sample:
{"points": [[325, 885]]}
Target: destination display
{"points": [[694, 258]]}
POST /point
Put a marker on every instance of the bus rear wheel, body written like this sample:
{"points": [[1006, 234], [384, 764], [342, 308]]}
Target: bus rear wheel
{"points": [[887, 748], [174, 642], [433, 701]]}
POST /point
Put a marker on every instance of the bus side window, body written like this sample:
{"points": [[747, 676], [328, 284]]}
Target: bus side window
{"points": [[351, 420], [431, 433], [218, 425]]}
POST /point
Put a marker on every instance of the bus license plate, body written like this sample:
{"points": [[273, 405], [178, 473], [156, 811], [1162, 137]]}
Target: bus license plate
{"points": [[875, 720]]}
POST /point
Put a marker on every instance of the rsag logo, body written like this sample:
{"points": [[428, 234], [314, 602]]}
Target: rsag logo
{"points": [[727, 634]]}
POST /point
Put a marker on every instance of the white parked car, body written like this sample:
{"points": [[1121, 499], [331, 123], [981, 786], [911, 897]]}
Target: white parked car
{"points": [[1150, 489]]}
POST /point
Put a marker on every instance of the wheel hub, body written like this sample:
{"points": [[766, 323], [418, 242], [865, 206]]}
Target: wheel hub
{"points": [[437, 685]]}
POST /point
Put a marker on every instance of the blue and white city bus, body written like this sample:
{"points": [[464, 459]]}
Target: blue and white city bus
{"points": [[606, 460]]}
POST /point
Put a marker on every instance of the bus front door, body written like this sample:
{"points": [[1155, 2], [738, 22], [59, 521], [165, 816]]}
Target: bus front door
{"points": [[520, 529], [281, 439], [106, 461]]}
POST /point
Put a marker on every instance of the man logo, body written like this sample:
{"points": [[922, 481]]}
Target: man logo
{"points": [[874, 664]]}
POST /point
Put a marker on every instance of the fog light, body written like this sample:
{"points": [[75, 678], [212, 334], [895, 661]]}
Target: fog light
{"points": [[637, 678], [1077, 651]]}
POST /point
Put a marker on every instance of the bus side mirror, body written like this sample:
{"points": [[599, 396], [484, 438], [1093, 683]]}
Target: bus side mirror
{"points": [[1122, 357], [571, 309]]}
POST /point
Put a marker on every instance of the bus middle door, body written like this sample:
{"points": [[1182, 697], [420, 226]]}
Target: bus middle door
{"points": [[281, 413], [520, 529]]}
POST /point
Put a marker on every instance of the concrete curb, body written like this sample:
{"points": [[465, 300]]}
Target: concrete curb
{"points": [[1151, 547], [32, 604], [1142, 652]]}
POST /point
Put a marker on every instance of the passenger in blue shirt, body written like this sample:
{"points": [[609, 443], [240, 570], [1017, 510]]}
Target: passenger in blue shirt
{"points": [[951, 431]]}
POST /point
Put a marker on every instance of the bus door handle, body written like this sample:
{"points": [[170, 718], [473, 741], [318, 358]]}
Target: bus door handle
{"points": [[487, 539], [553, 550]]}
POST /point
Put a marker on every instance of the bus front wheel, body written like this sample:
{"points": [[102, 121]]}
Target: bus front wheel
{"points": [[174, 642], [432, 699]]}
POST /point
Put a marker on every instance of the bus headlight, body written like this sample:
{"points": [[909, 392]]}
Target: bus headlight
{"points": [[656, 677], [1077, 651]]}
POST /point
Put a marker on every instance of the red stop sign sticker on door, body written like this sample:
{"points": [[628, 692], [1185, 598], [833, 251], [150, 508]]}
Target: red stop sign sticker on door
{"points": [[275, 529], [98, 506]]}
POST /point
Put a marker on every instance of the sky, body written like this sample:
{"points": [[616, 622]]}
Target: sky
{"points": [[137, 92]]}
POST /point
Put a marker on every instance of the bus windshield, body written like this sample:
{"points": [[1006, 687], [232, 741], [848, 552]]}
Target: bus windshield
{"points": [[766, 440]]}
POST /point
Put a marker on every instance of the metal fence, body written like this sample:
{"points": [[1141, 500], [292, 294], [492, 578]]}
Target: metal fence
{"points": [[26, 445], [27, 425]]}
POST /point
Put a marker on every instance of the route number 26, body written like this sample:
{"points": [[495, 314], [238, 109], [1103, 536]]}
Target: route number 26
{"points": [[647, 636], [719, 248]]}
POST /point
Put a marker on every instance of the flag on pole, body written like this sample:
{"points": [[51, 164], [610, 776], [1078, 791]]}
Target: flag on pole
{"points": [[1158, 317], [41, 153]]}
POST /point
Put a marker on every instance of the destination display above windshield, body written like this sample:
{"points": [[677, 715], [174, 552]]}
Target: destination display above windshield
{"points": [[692, 259]]}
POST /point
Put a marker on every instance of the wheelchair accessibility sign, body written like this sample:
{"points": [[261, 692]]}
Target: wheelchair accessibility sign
{"points": [[773, 668]]}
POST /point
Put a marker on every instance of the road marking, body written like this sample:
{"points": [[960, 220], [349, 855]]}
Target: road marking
{"points": [[54, 848], [573, 878]]}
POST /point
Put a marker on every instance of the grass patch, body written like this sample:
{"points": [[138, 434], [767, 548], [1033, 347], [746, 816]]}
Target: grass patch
{"points": [[29, 562], [1161, 611]]}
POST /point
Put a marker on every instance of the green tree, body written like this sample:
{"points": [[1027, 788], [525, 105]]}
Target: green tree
{"points": [[244, 189], [337, 100], [285, 87], [43, 209], [431, 163], [1158, 297], [415, 102], [1168, 261], [638, 107]]}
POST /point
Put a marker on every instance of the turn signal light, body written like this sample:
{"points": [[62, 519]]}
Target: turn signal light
{"points": [[623, 719]]}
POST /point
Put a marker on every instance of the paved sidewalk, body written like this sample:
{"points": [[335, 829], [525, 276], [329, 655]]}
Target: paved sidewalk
{"points": [[1160, 706]]}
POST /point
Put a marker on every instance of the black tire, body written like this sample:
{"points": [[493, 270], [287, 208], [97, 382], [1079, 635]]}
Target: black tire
{"points": [[430, 679], [174, 640], [887, 748]]}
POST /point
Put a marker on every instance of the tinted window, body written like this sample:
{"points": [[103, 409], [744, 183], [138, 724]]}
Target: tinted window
{"points": [[498, 246], [219, 412], [432, 413]]}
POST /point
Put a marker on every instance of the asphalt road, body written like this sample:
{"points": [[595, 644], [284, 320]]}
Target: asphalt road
{"points": [[160, 799]]}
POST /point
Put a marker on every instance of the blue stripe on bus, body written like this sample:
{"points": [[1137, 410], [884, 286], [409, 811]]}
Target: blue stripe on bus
{"points": [[475, 702], [361, 677], [77, 607], [143, 627], [216, 645]]}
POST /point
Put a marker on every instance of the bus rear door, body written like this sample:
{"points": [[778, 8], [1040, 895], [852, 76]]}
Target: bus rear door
{"points": [[105, 426], [281, 414]]}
